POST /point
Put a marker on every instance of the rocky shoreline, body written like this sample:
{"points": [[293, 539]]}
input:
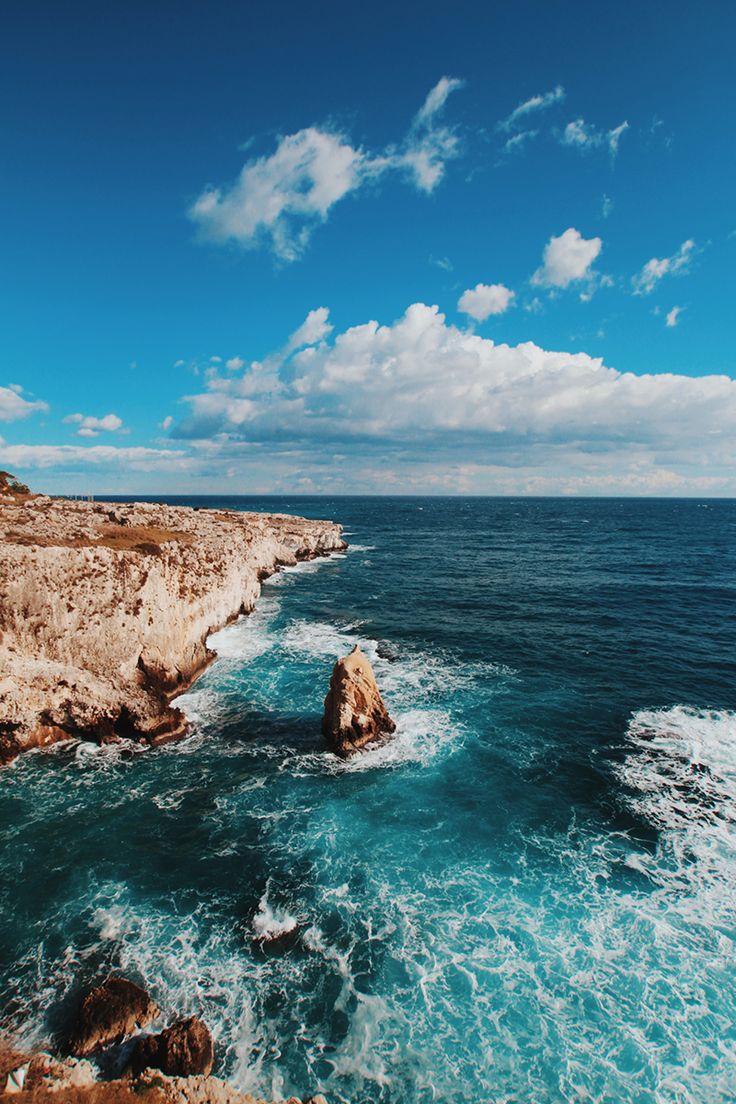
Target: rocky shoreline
{"points": [[105, 609], [112, 1056]]}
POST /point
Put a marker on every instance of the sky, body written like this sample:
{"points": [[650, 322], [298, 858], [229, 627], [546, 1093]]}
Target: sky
{"points": [[342, 248]]}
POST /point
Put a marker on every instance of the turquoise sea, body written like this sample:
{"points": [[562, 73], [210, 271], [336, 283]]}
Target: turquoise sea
{"points": [[528, 896]]}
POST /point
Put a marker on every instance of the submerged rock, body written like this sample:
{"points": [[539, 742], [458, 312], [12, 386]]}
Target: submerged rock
{"points": [[110, 1012], [355, 714], [184, 1049]]}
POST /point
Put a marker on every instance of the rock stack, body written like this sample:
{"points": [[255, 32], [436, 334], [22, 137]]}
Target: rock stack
{"points": [[355, 714]]}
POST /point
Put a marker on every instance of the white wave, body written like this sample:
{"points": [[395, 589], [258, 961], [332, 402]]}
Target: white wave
{"points": [[285, 575], [682, 774], [361, 548], [272, 923], [320, 638], [421, 735], [248, 637]]}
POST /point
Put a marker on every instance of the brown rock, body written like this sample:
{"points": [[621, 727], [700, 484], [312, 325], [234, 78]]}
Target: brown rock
{"points": [[109, 1013], [184, 1049], [354, 711]]}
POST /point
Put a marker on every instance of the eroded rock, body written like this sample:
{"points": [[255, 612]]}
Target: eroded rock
{"points": [[105, 610], [110, 1012], [184, 1049], [355, 714], [48, 1073]]}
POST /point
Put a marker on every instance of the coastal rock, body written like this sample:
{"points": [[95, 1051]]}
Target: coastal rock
{"points": [[110, 1012], [355, 714], [105, 609], [47, 1073], [181, 1050]]}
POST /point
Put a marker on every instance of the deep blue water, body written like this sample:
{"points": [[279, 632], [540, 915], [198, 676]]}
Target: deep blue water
{"points": [[529, 895]]}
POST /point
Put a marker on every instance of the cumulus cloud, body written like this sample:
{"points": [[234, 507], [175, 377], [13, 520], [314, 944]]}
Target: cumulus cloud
{"points": [[533, 104], [397, 395], [89, 426], [278, 199], [567, 259], [653, 271], [585, 136], [484, 300], [422, 405], [313, 329], [673, 316], [235, 364], [13, 407]]}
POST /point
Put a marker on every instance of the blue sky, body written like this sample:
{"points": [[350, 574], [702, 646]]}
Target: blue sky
{"points": [[338, 248]]}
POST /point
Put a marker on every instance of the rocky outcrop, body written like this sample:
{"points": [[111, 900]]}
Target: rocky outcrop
{"points": [[109, 1013], [181, 1050], [355, 714], [105, 609], [73, 1081]]}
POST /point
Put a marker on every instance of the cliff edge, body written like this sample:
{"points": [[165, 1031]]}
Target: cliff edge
{"points": [[105, 609]]}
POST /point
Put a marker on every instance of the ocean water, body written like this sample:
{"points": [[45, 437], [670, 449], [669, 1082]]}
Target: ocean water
{"points": [[528, 896]]}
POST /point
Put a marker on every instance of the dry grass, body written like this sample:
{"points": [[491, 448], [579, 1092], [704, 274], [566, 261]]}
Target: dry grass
{"points": [[123, 538]]}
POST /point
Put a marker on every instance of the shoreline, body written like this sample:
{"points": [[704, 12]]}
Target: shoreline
{"points": [[106, 609]]}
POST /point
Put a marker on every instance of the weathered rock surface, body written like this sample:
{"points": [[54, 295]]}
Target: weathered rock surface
{"points": [[105, 609], [355, 714], [110, 1012], [181, 1050], [66, 1082], [46, 1073]]}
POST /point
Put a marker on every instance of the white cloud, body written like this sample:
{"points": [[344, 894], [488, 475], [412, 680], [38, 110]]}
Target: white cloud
{"points": [[485, 299], [420, 389], [13, 407], [20, 457], [606, 206], [673, 316], [235, 364], [436, 100], [280, 198], [167, 422], [313, 329], [518, 141], [585, 136], [421, 405], [566, 259], [89, 426], [613, 137], [653, 271], [534, 103]]}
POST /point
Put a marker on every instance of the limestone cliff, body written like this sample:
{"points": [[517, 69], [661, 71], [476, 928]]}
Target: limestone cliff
{"points": [[105, 609]]}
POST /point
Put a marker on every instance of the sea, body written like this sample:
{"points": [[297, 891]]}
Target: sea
{"points": [[528, 896]]}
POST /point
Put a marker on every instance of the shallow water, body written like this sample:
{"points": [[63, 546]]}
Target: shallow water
{"points": [[528, 895]]}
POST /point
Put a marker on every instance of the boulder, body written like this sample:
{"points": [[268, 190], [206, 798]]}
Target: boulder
{"points": [[354, 711], [184, 1049], [109, 1013]]}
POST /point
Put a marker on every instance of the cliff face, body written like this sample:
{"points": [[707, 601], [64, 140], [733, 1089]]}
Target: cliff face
{"points": [[105, 609]]}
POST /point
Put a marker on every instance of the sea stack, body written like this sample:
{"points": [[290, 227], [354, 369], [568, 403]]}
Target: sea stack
{"points": [[355, 714]]}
